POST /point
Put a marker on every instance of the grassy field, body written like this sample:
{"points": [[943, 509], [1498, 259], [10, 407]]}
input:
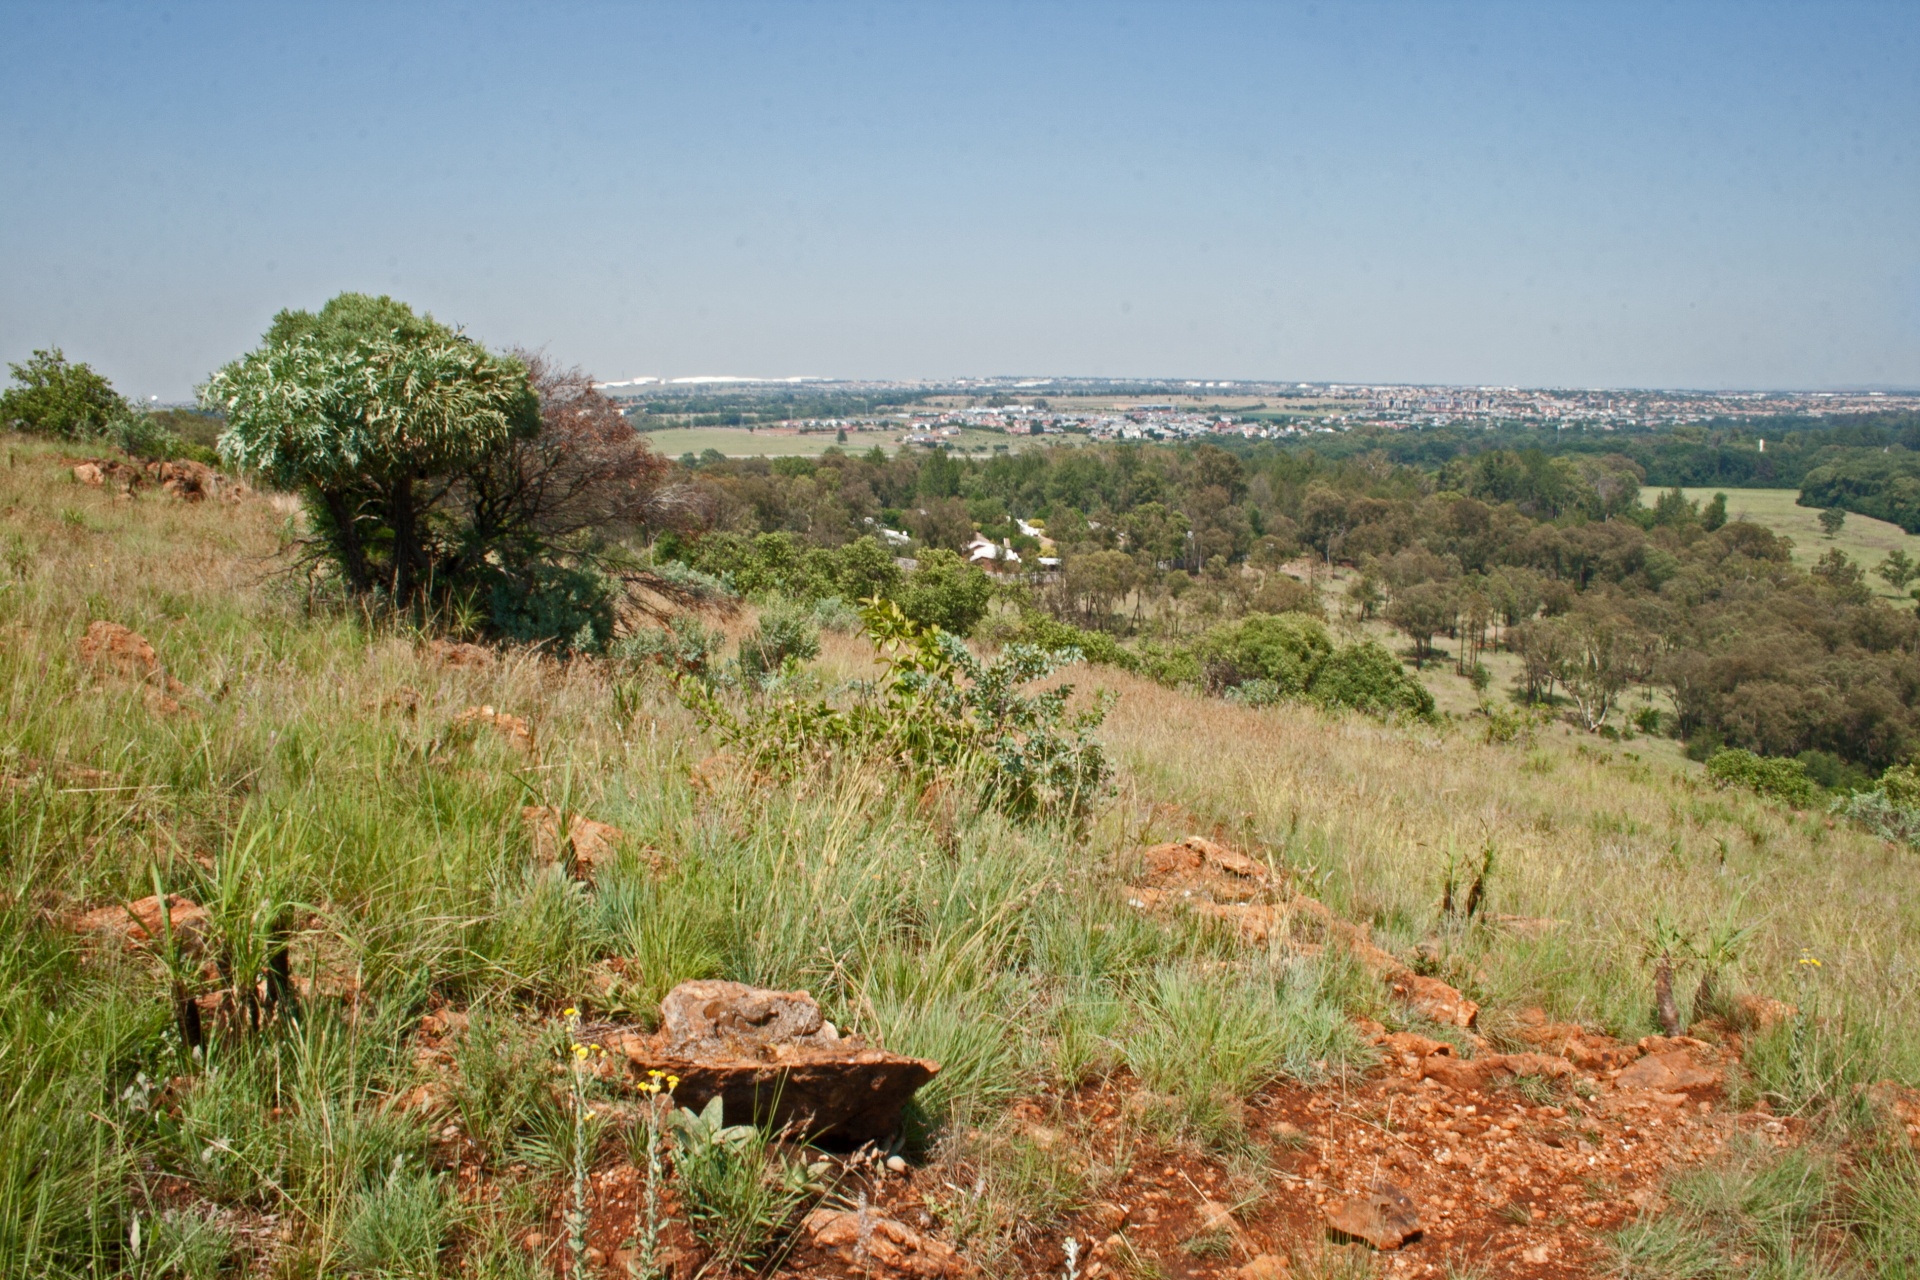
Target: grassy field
{"points": [[1865, 539], [315, 780], [738, 442]]}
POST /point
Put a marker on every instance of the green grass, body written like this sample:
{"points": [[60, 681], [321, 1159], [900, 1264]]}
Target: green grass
{"points": [[1865, 539], [314, 794]]}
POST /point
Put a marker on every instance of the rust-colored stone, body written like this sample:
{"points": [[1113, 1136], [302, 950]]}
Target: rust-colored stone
{"points": [[867, 1240], [1385, 1217]]}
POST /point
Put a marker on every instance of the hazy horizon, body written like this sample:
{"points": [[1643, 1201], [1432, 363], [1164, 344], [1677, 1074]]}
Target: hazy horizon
{"points": [[1704, 196]]}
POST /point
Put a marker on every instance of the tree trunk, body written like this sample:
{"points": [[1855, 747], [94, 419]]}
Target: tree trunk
{"points": [[406, 541], [347, 546], [1664, 1006]]}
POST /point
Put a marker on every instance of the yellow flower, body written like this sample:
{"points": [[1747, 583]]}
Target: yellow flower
{"points": [[673, 1082], [1810, 960], [579, 1051], [655, 1073], [570, 1012], [649, 1088]]}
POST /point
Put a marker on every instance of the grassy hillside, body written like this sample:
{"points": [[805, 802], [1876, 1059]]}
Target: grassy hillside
{"points": [[1865, 539], [315, 779]]}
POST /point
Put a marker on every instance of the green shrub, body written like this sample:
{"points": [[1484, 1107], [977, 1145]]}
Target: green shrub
{"points": [[567, 609], [945, 592], [939, 711], [1044, 631], [1283, 649], [685, 646], [786, 634], [1891, 810], [833, 613], [1365, 677], [1900, 784], [1833, 773], [55, 398], [1771, 776], [741, 1193], [1256, 693], [777, 564]]}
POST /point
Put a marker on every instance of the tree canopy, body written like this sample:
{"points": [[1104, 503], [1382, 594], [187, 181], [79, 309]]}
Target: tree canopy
{"points": [[372, 410], [53, 396]]}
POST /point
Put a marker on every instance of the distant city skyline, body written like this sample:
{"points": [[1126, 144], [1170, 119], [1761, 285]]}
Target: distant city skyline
{"points": [[1695, 196]]}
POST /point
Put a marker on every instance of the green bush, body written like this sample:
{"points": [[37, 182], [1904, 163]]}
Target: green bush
{"points": [[1365, 677], [1891, 809], [1283, 649], [945, 592], [1833, 773], [685, 646], [1044, 631], [52, 397], [568, 609], [1772, 776], [786, 633], [939, 712], [777, 564]]}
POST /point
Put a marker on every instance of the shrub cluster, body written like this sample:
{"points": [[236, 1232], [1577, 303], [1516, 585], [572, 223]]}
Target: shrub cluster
{"points": [[1778, 778], [938, 713], [68, 400]]}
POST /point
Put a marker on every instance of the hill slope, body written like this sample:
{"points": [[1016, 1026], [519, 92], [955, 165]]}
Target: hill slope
{"points": [[1190, 1072]]}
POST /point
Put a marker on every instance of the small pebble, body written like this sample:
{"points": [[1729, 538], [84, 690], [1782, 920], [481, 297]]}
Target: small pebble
{"points": [[896, 1164]]}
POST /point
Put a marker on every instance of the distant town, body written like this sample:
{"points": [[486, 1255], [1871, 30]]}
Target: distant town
{"points": [[936, 413]]}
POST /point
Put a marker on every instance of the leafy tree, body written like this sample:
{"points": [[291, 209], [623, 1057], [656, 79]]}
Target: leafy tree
{"points": [[1716, 513], [374, 413], [1600, 654], [56, 398], [943, 522], [1897, 570], [1673, 508], [1097, 580], [945, 592], [1420, 612], [1832, 520]]}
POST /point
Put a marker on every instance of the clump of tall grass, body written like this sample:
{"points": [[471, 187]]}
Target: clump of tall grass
{"points": [[1211, 1039]]}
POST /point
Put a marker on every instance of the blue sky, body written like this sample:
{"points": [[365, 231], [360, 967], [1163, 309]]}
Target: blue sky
{"points": [[1613, 194]]}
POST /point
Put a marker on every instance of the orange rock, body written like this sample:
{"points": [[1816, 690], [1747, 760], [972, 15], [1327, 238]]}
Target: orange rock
{"points": [[191, 480], [141, 922], [516, 730], [1413, 1044], [1482, 1073], [1759, 1013], [713, 771], [1385, 1217], [1674, 1071], [588, 846], [1264, 1266], [125, 650], [455, 654], [868, 1240], [1432, 998], [1585, 1049], [1897, 1105]]}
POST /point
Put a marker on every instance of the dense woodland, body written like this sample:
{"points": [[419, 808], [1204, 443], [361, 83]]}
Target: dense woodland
{"points": [[1550, 556]]}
